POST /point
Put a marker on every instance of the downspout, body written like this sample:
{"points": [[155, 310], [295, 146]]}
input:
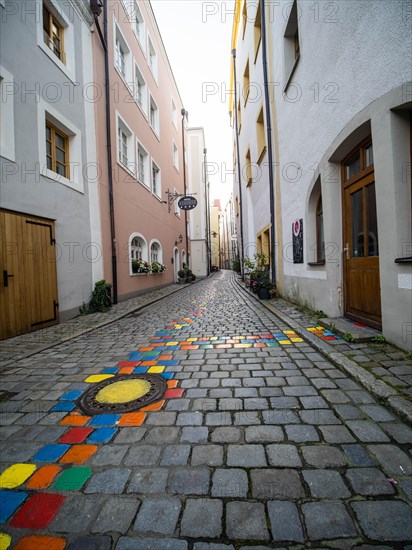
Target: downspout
{"points": [[269, 142], [207, 212], [184, 113], [103, 39], [238, 163]]}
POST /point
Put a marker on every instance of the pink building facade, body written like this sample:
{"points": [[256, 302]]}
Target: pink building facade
{"points": [[146, 151]]}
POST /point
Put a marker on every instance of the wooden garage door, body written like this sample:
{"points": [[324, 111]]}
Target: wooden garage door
{"points": [[28, 284]]}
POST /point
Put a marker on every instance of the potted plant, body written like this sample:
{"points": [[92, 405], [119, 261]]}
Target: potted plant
{"points": [[140, 266], [157, 267], [189, 275], [181, 275], [264, 286]]}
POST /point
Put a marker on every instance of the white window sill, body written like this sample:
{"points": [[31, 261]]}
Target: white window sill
{"points": [[176, 168], [57, 62], [156, 196], [61, 179], [142, 111], [143, 184], [138, 274], [126, 169], [140, 44], [157, 135], [155, 77]]}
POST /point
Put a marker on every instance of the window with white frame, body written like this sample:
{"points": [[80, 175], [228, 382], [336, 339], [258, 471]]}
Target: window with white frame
{"points": [[175, 156], [140, 90], [137, 248], [53, 33], [138, 23], [156, 252], [291, 49], [156, 181], [152, 58], [175, 202], [143, 165], [125, 150], [123, 58], [154, 116], [7, 143], [174, 114]]}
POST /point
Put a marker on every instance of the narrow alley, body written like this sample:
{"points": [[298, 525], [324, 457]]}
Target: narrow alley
{"points": [[254, 439]]}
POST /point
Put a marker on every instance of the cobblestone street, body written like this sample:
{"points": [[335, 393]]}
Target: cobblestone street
{"points": [[258, 441]]}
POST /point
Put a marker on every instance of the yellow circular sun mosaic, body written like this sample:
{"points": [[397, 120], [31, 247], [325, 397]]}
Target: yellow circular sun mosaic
{"points": [[123, 391]]}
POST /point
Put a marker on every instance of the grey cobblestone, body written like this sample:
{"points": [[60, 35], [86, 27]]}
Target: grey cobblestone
{"points": [[175, 455], [246, 520], [202, 518], [246, 455], [284, 521], [158, 516], [194, 434], [116, 514], [189, 481], [230, 483], [276, 484]]}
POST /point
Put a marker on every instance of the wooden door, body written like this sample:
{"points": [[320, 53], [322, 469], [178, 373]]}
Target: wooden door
{"points": [[28, 285], [362, 294]]}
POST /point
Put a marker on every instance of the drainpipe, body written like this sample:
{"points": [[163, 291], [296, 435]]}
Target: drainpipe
{"points": [[103, 40], [207, 212], [269, 142], [238, 166], [184, 113]]}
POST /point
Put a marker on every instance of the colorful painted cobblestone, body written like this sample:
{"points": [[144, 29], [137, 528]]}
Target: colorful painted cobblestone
{"points": [[322, 333], [62, 466]]}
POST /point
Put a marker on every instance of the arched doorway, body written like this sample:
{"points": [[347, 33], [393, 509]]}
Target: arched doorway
{"points": [[176, 263]]}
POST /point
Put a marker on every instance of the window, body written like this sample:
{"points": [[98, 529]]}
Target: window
{"points": [[154, 116], [7, 140], [239, 116], [177, 209], [140, 90], [143, 165], [137, 248], [123, 58], [175, 156], [174, 114], [120, 58], [53, 34], [156, 252], [246, 82], [237, 205], [125, 150], [260, 136], [248, 167], [57, 151], [152, 59], [156, 182], [122, 146], [320, 238], [257, 31], [291, 44], [138, 23]]}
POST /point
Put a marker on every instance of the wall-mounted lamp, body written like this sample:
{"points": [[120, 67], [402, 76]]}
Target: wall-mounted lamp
{"points": [[179, 240]]}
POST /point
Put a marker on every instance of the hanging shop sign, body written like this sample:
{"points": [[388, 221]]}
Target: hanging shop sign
{"points": [[187, 203]]}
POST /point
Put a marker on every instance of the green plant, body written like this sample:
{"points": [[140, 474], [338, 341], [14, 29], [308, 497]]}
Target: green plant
{"points": [[333, 327], [193, 277], [140, 266], [348, 337], [100, 299], [319, 314], [248, 263], [236, 266], [408, 355], [157, 267], [181, 273], [379, 339]]}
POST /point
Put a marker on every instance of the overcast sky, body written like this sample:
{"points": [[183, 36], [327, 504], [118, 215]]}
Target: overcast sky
{"points": [[197, 37]]}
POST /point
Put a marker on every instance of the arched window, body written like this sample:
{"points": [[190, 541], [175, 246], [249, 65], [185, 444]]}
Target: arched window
{"points": [[137, 248], [155, 252], [320, 237]]}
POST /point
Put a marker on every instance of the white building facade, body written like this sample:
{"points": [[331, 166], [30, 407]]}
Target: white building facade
{"points": [[198, 186], [50, 222], [340, 105]]}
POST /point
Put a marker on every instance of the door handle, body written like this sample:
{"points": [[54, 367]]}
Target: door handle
{"points": [[6, 278], [346, 251]]}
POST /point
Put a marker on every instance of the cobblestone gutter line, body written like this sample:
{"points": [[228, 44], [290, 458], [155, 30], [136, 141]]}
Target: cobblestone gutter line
{"points": [[26, 345], [382, 391]]}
